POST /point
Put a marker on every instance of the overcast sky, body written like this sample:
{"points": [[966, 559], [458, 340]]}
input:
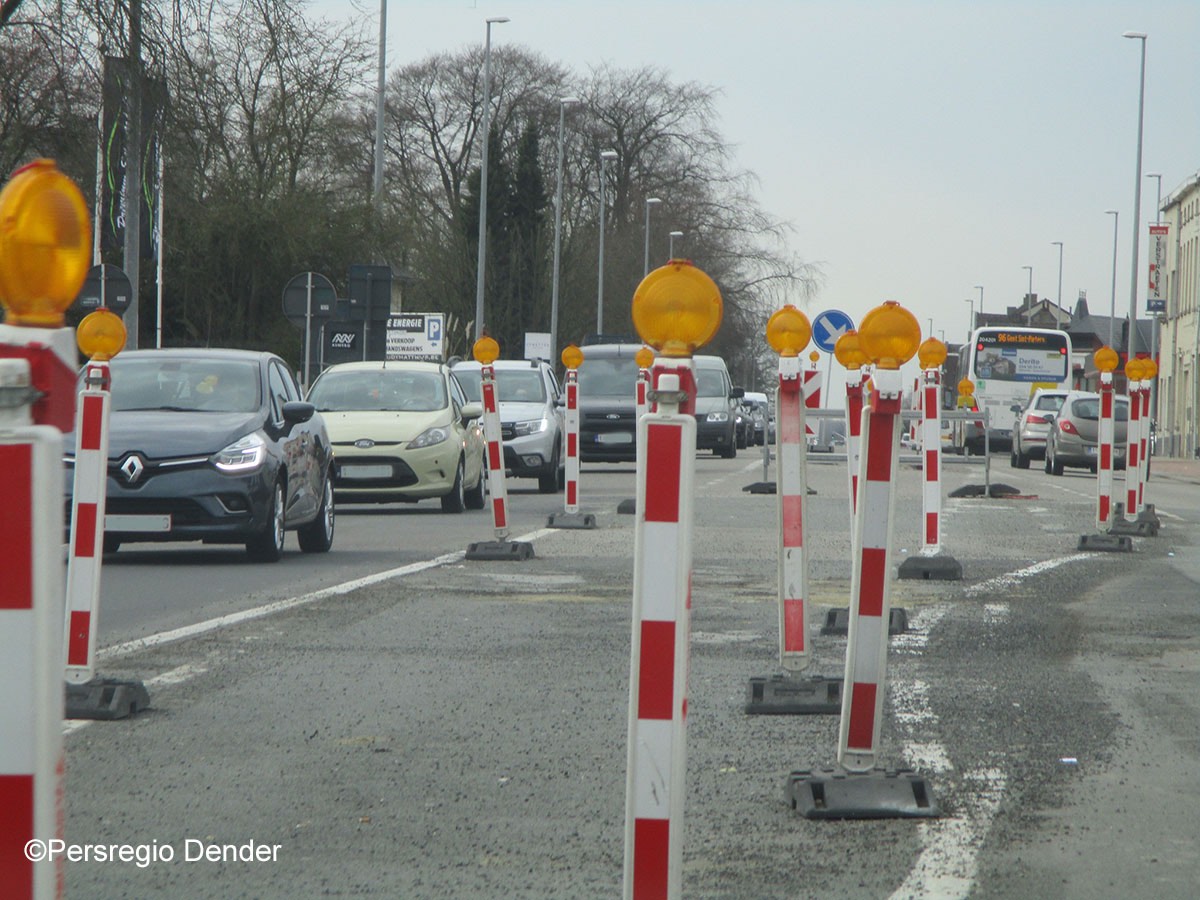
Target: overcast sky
{"points": [[917, 148]]}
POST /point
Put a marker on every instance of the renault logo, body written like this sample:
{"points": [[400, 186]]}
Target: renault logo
{"points": [[132, 468]]}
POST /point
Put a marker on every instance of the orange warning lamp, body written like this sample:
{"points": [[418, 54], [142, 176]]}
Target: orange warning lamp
{"points": [[1106, 359], [644, 358], [677, 309], [101, 335], [788, 331], [45, 245], [486, 351], [1134, 369], [966, 388], [931, 353], [848, 351], [572, 356], [889, 335], [813, 357], [1149, 369]]}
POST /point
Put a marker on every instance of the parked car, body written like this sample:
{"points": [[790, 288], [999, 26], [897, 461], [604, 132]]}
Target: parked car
{"points": [[402, 431], [760, 408], [1074, 430], [1032, 426], [607, 403], [214, 446], [529, 401], [716, 402]]}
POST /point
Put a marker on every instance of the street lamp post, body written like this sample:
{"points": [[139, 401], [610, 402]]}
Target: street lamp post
{"points": [[605, 157], [671, 243], [1112, 303], [979, 287], [1131, 349], [481, 257], [1058, 299], [650, 201], [971, 320], [563, 103], [1029, 293]]}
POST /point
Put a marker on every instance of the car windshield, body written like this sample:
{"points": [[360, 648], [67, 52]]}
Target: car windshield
{"points": [[1050, 401], [709, 383], [388, 390], [199, 384], [614, 377], [1089, 408], [516, 385]]}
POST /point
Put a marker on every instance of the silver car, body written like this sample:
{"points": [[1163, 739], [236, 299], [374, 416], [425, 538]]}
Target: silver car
{"points": [[1033, 424], [1072, 440]]}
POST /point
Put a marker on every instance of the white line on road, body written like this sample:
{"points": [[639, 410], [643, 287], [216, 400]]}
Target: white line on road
{"points": [[1009, 579]]}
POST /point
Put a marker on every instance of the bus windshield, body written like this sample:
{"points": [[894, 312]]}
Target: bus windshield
{"points": [[1021, 355]]}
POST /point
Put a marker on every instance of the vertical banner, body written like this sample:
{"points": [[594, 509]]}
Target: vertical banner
{"points": [[112, 184], [154, 108], [1156, 300]]}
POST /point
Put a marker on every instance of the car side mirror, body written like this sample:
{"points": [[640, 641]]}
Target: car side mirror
{"points": [[1016, 407], [472, 411], [737, 393], [1050, 417], [297, 411]]}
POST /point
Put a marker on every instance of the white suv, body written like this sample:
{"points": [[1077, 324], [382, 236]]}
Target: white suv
{"points": [[531, 417]]}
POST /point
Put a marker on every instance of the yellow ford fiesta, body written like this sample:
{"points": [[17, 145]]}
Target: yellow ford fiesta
{"points": [[402, 431]]}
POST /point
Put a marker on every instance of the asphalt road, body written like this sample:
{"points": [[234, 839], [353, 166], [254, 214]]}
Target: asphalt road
{"points": [[458, 729]]}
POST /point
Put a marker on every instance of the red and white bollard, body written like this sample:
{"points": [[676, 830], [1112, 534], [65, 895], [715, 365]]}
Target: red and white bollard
{"points": [[31, 630], [1133, 441], [87, 523], [849, 353], [812, 388], [1104, 453], [1144, 454], [662, 565], [931, 442], [571, 517], [792, 494]]}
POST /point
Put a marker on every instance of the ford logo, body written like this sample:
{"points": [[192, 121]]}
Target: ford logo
{"points": [[613, 416], [364, 443]]}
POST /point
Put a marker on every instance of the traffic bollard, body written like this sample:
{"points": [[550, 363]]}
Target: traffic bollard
{"points": [[932, 562], [571, 517], [1106, 361], [1146, 511], [641, 405], [1133, 439], [101, 335], [486, 351], [849, 353], [676, 309]]}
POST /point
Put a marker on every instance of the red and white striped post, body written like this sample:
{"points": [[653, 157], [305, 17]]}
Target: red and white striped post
{"points": [[87, 523], [676, 309], [1149, 373], [1133, 440], [31, 749], [812, 388], [931, 353], [889, 335], [849, 353], [1106, 361], [572, 357], [486, 352], [788, 332]]}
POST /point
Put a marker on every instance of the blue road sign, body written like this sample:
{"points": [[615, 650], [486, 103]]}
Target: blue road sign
{"points": [[829, 326]]}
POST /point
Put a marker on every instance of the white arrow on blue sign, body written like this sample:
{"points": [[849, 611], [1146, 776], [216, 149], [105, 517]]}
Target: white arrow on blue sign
{"points": [[829, 326]]}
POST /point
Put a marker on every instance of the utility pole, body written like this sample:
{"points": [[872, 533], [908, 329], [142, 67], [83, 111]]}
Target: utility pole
{"points": [[133, 169]]}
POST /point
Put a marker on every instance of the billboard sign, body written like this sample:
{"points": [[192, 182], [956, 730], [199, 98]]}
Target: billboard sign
{"points": [[416, 336]]}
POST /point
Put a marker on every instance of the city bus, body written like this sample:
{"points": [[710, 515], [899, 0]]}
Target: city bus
{"points": [[1008, 363]]}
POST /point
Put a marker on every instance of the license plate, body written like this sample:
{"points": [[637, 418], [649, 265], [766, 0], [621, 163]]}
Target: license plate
{"points": [[1090, 451], [614, 437], [364, 472], [146, 523]]}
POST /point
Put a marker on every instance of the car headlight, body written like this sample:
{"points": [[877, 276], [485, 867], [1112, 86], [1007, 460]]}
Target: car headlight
{"points": [[243, 455], [534, 426], [717, 417], [429, 437]]}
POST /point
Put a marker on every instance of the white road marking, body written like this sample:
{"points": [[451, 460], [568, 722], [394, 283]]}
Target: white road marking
{"points": [[1010, 579]]}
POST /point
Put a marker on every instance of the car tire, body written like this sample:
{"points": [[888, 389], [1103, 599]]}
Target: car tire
{"points": [[729, 451], [268, 545], [476, 497], [455, 501], [1013, 459], [317, 535], [548, 477], [1054, 467]]}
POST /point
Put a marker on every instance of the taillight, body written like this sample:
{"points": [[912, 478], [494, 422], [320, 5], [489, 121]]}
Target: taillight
{"points": [[1035, 419], [1067, 426]]}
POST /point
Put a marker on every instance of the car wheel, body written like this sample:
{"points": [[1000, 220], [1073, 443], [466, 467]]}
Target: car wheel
{"points": [[548, 477], [268, 545], [455, 501], [475, 498], [317, 535], [729, 451], [1013, 459], [1046, 460], [1055, 467]]}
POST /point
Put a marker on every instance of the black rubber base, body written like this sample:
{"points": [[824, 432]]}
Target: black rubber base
{"points": [[878, 794], [627, 507], [941, 567], [837, 621], [794, 695], [106, 698], [1105, 543], [501, 551], [571, 520]]}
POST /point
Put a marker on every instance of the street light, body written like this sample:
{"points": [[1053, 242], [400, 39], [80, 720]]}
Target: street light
{"points": [[605, 157], [1158, 199], [650, 201], [979, 287], [1112, 304], [1058, 299], [1131, 349], [563, 103], [1029, 294], [481, 257], [671, 244], [970, 321]]}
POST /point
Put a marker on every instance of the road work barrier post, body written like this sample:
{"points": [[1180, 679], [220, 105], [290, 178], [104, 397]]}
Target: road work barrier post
{"points": [[932, 563], [641, 405], [849, 353], [45, 254], [571, 517], [486, 351], [1133, 439], [788, 333], [889, 335], [676, 309], [812, 390], [101, 335], [1146, 511], [1106, 361]]}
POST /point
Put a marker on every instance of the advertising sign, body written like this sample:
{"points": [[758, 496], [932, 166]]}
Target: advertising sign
{"points": [[1156, 300], [416, 336]]}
